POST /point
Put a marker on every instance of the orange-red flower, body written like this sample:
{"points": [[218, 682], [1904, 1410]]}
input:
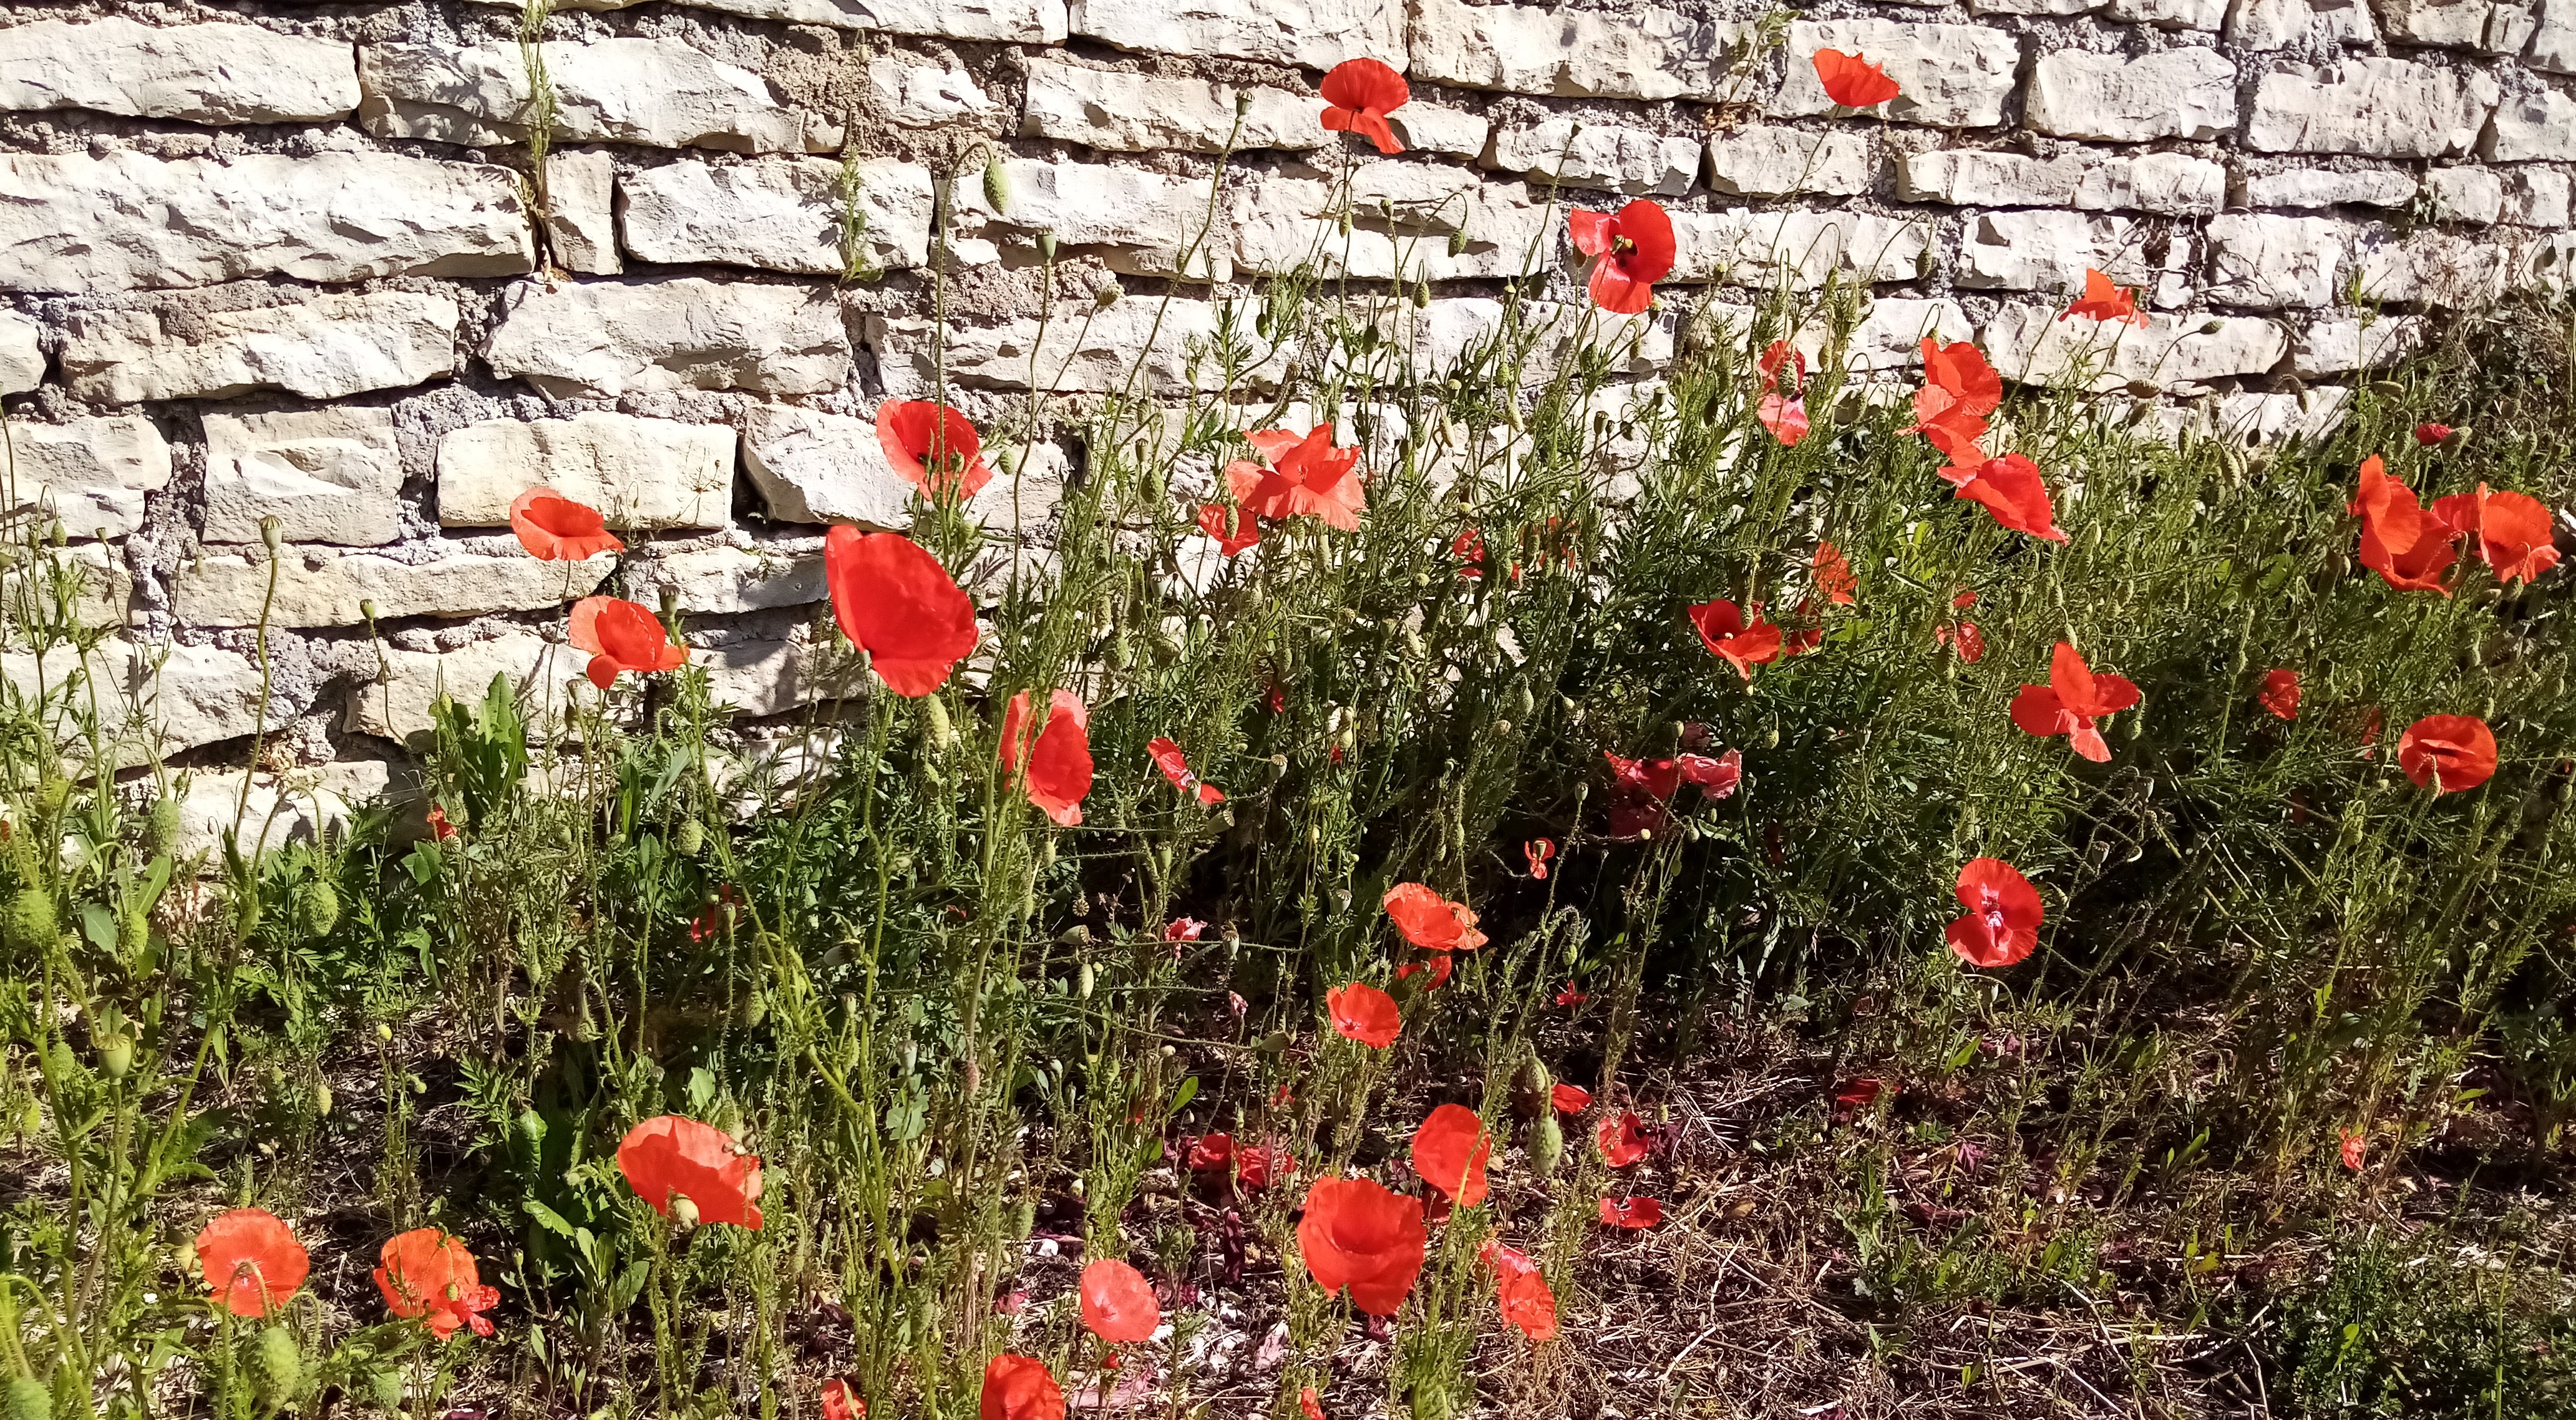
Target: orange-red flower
{"points": [[430, 1275], [2429, 434], [895, 602], [1638, 789], [1118, 1303], [1358, 95], [1834, 575], [1722, 628], [1363, 1013], [932, 447], [1960, 389], [1058, 753], [1439, 964], [1785, 417], [1970, 641], [1308, 1402], [1449, 1151], [2002, 922], [1176, 767], [2013, 491], [2281, 693], [1306, 476], [1523, 1292], [1853, 81], [622, 636], [1569, 1099], [2105, 302], [1632, 1212], [1716, 777], [2072, 701], [1632, 250], [1783, 409], [2449, 752], [251, 1261], [842, 1403], [1538, 851], [2512, 529], [2354, 1150], [1358, 1235], [2408, 545], [668, 1159], [1622, 1138], [1018, 1387], [554, 528], [1233, 528], [1430, 921]]}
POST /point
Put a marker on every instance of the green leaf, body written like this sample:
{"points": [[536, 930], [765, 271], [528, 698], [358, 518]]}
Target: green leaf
{"points": [[1181, 1097]]}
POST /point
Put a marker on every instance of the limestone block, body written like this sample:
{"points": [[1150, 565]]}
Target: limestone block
{"points": [[760, 676], [545, 678], [1007, 21], [2553, 37], [299, 806], [1143, 221], [1026, 491], [100, 588], [318, 586], [916, 93], [338, 344], [581, 216], [1952, 76], [779, 214], [1890, 336], [1649, 53], [1146, 113], [1084, 349], [2180, 353], [1282, 223], [2341, 345], [2170, 14], [221, 73], [1757, 248], [2255, 418], [812, 467], [198, 695], [2546, 264], [327, 475], [2322, 187], [2472, 195], [723, 581], [2173, 93], [2271, 262], [660, 92], [2534, 197], [1625, 160], [1429, 128], [2432, 268], [91, 473], [22, 358], [1311, 34], [2050, 251], [2501, 28], [639, 473], [2536, 123], [605, 339], [120, 219], [2058, 8], [2175, 184], [2381, 108], [1775, 162]]}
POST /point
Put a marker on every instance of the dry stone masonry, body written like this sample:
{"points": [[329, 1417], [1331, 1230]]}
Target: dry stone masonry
{"points": [[361, 272]]}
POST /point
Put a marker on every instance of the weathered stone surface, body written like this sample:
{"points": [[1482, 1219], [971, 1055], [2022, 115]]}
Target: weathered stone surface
{"points": [[2173, 93], [92, 473], [2334, 347], [1625, 160], [297, 807], [337, 344], [1281, 223], [327, 475], [1754, 248], [2500, 28], [1952, 76], [2170, 14], [1774, 162], [1429, 128], [1008, 21], [581, 215], [2534, 124], [639, 473], [1084, 349], [605, 339], [2534, 197], [2272, 262], [2322, 187], [1145, 113], [2051, 251], [103, 593], [1889, 337], [2472, 195], [2255, 418], [2383, 108], [1651, 53], [2432, 269], [2059, 8], [2175, 184], [660, 92], [722, 581], [119, 219], [812, 467], [324, 587], [2546, 263], [196, 695], [2553, 37], [761, 675], [223, 73], [1143, 222], [916, 93], [1312, 34], [546, 679], [780, 214], [22, 357], [2180, 353]]}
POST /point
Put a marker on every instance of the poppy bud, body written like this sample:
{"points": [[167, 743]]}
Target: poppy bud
{"points": [[1107, 295], [56, 535], [2457, 438], [1422, 294], [935, 717], [322, 1100], [684, 1213], [317, 908], [997, 182], [29, 1399], [384, 1032], [1342, 220], [386, 1388], [161, 827], [30, 925], [2388, 389], [1546, 1144], [689, 837], [281, 1367], [1458, 242]]}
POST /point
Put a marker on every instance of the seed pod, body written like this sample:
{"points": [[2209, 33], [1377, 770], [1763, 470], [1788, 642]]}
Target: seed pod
{"points": [[1089, 979], [30, 1399], [116, 1055], [1023, 1218], [1107, 295], [385, 1387], [997, 183], [1546, 1144], [1532, 1089], [1422, 294], [689, 837], [281, 1367], [31, 924], [161, 827], [1524, 704], [322, 1100]]}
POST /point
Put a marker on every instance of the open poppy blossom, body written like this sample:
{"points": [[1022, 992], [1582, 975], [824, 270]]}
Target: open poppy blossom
{"points": [[1538, 851], [1784, 417], [1019, 1388], [2105, 302], [1569, 1099], [1723, 629], [622, 636], [1184, 929], [1523, 1292], [691, 1171], [2013, 491], [2073, 700], [895, 602], [1852, 81], [1118, 1303], [554, 528], [1233, 528], [1716, 777], [1571, 997], [1439, 964], [1632, 1212], [2429, 434], [439, 828], [932, 447], [1638, 789], [2002, 923], [842, 1403], [2407, 544], [1449, 1151], [1357, 1234], [1783, 408], [251, 1260], [1058, 753], [1853, 1096], [427, 1274], [1305, 476], [1632, 250], [1431, 921], [2512, 529], [1965, 637], [1363, 1013], [1622, 1138], [1358, 95], [1960, 389], [1834, 576], [1947, 426], [1258, 1167], [1469, 548], [1308, 1402], [1176, 767], [2354, 1150], [2448, 752], [2280, 693]]}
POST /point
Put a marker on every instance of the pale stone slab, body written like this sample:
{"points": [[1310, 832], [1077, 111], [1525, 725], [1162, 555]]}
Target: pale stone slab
{"points": [[1312, 34], [2537, 197], [2382, 108], [581, 214], [120, 219], [2056, 8], [1007, 21], [1649, 53], [2432, 268], [1757, 248], [101, 588], [1144, 221], [2334, 347], [760, 676], [327, 475], [338, 344], [92, 473], [638, 472], [659, 92], [1776, 162], [324, 587], [1430, 128], [603, 339], [222, 73], [2472, 195], [2179, 353], [1951, 76], [545, 678], [2256, 418], [2270, 262], [300, 806], [2170, 14], [916, 93], [2553, 37], [813, 467], [780, 214], [2051, 251], [2534, 124], [724, 581], [1084, 349], [1633, 161], [180, 697], [2498, 28], [2173, 93], [1146, 113], [22, 357], [2175, 184], [2322, 187], [1408, 213]]}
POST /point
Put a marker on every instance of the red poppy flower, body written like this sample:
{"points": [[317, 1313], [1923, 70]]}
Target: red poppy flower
{"points": [[1717, 777], [1960, 371], [1834, 577], [2408, 545], [1971, 642], [1538, 851], [1632, 250], [2449, 752], [1019, 1388], [1176, 767], [895, 602], [1256, 1168], [1622, 1138], [1363, 1013], [1184, 929], [622, 636], [2074, 698], [1118, 1303], [840, 1402], [1526, 1301], [1469, 548], [251, 1261], [1307, 1402], [1439, 964], [669, 1160], [717, 915], [2428, 435], [2512, 529], [1358, 95], [2002, 923], [1431, 921], [1211, 1153], [1233, 528], [2105, 302], [1632, 1212], [2013, 491], [1856, 1095], [2281, 693], [1723, 630], [439, 827], [430, 1275], [1449, 1151], [1655, 778], [932, 447], [1358, 1235], [1786, 418], [1569, 1099], [1307, 476], [554, 528], [1571, 997], [1059, 753], [1940, 418], [2355, 1149], [1852, 81]]}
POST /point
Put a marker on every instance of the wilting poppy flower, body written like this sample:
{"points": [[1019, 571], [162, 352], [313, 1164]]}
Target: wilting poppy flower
{"points": [[430, 1275], [2013, 491], [1439, 964], [1970, 641], [1431, 921], [1538, 851], [1638, 789], [1834, 575], [2355, 1149], [1449, 1151], [2002, 923], [1118, 1303], [895, 602], [1358, 95], [1308, 1402], [1363, 1013], [1358, 1235], [2512, 529], [2074, 698], [1307, 476], [1716, 777], [2449, 752], [1622, 1138], [2430, 434], [1632, 251], [1469, 548], [1722, 629], [842, 1403], [1569, 1099], [1059, 753], [1184, 929], [1211, 1153], [1853, 81], [1176, 767], [2105, 302], [439, 827], [622, 636], [932, 447], [1786, 418], [1526, 1301], [251, 1261], [2280, 693], [2408, 545], [670, 1162], [1856, 1095], [1571, 997], [554, 528], [1632, 1212], [1233, 528], [1019, 1388]]}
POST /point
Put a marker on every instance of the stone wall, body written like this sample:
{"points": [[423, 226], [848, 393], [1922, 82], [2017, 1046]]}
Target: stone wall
{"points": [[290, 260]]}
